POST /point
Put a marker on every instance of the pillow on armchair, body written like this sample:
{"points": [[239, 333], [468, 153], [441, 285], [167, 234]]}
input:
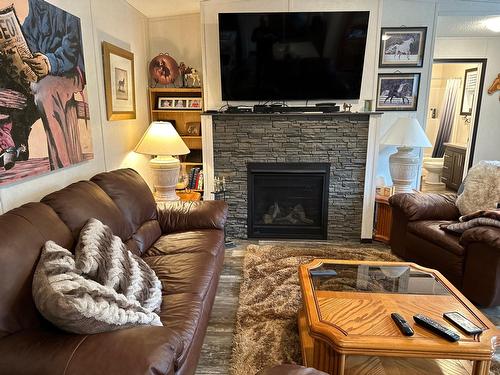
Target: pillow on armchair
{"points": [[481, 188]]}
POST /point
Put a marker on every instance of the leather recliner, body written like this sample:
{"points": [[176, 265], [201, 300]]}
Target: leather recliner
{"points": [[182, 242], [471, 261]]}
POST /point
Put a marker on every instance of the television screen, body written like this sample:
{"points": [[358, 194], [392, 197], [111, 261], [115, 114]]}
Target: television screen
{"points": [[292, 56]]}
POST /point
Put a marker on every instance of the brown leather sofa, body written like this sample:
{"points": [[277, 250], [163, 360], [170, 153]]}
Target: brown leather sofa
{"points": [[470, 261], [182, 242]]}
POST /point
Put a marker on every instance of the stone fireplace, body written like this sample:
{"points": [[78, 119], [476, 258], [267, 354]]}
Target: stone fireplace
{"points": [[340, 140], [288, 200]]}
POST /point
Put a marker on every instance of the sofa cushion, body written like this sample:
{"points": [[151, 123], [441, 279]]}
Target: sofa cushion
{"points": [[194, 241], [74, 302], [130, 193], [430, 230], [24, 231], [83, 200], [184, 273], [182, 313]]}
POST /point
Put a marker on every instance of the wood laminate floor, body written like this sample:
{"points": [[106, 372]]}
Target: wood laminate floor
{"points": [[216, 351]]}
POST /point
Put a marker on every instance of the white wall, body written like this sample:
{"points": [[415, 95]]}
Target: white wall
{"points": [[120, 24], [488, 131], [179, 36], [409, 13]]}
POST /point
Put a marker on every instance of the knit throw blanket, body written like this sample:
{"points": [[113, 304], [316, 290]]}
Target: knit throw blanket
{"points": [[102, 287], [481, 188], [475, 219]]}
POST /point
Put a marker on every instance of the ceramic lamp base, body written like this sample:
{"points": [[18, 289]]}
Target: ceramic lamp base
{"points": [[404, 167], [165, 177]]}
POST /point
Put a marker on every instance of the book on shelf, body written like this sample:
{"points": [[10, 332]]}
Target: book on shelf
{"points": [[195, 181]]}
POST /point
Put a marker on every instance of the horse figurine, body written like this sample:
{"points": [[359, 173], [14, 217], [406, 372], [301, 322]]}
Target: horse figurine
{"points": [[495, 86], [194, 77]]}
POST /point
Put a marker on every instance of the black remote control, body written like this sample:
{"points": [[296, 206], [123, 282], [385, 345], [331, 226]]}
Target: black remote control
{"points": [[402, 324], [435, 327]]}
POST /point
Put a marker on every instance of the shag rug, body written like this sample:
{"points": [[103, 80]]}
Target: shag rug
{"points": [[266, 323]]}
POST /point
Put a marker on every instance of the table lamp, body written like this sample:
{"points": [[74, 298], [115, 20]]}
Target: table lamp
{"points": [[406, 133], [161, 139]]}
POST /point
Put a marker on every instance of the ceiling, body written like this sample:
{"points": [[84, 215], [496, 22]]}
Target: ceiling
{"points": [[471, 26], [164, 8]]}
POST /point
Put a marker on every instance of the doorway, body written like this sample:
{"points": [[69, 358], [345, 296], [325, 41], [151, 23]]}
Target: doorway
{"points": [[452, 119]]}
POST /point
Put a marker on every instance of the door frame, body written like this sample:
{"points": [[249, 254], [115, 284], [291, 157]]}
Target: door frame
{"points": [[473, 134]]}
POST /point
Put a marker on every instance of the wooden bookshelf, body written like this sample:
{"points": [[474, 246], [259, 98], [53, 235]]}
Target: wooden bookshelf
{"points": [[180, 118]]}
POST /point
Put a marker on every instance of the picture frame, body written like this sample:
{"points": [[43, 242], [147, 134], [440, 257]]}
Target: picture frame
{"points": [[119, 82], [402, 47], [193, 128], [468, 91], [178, 103], [165, 102], [397, 91]]}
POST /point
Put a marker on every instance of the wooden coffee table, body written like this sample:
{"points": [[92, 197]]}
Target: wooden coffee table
{"points": [[345, 325]]}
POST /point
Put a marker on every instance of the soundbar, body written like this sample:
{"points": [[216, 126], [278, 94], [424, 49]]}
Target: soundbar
{"points": [[295, 109]]}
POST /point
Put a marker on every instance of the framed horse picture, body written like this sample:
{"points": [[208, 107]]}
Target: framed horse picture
{"points": [[402, 47], [119, 83], [397, 91]]}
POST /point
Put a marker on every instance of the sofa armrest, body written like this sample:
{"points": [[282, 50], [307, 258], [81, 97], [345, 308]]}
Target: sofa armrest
{"points": [[426, 206], [181, 216], [140, 350], [485, 234]]}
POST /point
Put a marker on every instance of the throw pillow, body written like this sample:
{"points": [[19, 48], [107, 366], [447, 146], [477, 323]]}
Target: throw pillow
{"points": [[103, 287], [481, 188]]}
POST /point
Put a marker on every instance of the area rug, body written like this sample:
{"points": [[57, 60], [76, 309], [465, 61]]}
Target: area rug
{"points": [[266, 331]]}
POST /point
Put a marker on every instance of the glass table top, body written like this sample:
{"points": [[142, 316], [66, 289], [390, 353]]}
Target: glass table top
{"points": [[375, 279]]}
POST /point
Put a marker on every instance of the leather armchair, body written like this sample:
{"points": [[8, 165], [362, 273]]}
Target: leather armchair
{"points": [[470, 261]]}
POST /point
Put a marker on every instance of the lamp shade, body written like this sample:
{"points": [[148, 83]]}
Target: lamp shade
{"points": [[161, 138], [406, 132]]}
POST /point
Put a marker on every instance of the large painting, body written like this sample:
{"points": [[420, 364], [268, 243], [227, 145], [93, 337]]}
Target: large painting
{"points": [[44, 115]]}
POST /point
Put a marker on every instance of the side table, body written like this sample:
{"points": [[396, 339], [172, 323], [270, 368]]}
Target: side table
{"points": [[383, 219]]}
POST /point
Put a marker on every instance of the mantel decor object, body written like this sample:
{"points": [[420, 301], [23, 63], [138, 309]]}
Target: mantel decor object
{"points": [[406, 133], [161, 139], [163, 69]]}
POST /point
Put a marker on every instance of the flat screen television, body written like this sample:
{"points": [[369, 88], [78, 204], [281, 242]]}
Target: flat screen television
{"points": [[292, 56]]}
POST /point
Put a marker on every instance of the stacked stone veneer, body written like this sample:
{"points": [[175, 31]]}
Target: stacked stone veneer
{"points": [[340, 140]]}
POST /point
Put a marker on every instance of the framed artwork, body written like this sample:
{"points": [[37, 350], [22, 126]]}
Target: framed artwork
{"points": [[44, 111], [193, 128], [468, 92], [194, 103], [397, 91], [119, 82], [168, 102], [165, 103], [402, 47]]}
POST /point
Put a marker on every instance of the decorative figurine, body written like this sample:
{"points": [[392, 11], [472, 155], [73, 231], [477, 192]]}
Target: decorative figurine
{"points": [[346, 107], [194, 77], [495, 86]]}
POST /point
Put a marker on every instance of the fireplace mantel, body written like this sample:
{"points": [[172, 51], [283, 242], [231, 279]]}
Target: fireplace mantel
{"points": [[252, 127]]}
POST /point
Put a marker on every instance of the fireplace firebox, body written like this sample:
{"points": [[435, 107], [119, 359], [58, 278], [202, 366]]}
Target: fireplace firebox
{"points": [[288, 200]]}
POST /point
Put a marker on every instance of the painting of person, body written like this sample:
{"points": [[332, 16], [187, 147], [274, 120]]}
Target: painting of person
{"points": [[43, 118]]}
